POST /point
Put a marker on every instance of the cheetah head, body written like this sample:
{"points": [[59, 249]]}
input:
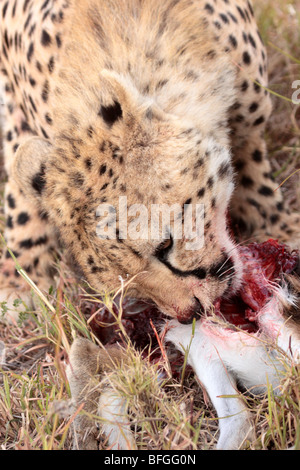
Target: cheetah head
{"points": [[115, 159]]}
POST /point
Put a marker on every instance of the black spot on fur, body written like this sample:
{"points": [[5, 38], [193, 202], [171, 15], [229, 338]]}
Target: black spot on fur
{"points": [[48, 118], [251, 40], [209, 8], [32, 82], [274, 218], [102, 169], [250, 8], [199, 163], [243, 16], [254, 107], [11, 201], [23, 218], [32, 104], [233, 41], [257, 87], [104, 187], [45, 4], [259, 121], [44, 132], [88, 163], [9, 136], [247, 182], [30, 51], [111, 114], [41, 241], [28, 269], [187, 202], [90, 132], [38, 66], [96, 269], [26, 244], [234, 18], [246, 58], [265, 191], [201, 192], [90, 260], [280, 206], [45, 91], [224, 170], [245, 86], [45, 38], [224, 18], [58, 40], [76, 179], [211, 54], [4, 9], [161, 84], [6, 40], [257, 156], [239, 165], [254, 203], [15, 254], [210, 182], [9, 222], [51, 64], [38, 181], [43, 215]]}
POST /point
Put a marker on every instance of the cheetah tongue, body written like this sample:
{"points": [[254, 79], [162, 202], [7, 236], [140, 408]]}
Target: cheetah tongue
{"points": [[263, 264]]}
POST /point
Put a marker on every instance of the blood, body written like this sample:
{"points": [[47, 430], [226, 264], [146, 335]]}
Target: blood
{"points": [[139, 320], [263, 264]]}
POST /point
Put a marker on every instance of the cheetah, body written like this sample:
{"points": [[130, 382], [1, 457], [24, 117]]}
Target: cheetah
{"points": [[159, 102], [170, 107]]}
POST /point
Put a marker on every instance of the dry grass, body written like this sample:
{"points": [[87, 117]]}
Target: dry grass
{"points": [[279, 23], [176, 416]]}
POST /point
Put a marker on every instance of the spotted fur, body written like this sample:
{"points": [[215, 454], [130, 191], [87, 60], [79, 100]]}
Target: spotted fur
{"points": [[161, 102]]}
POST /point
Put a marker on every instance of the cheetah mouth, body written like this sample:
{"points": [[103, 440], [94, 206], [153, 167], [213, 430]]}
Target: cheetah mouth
{"points": [[265, 266]]}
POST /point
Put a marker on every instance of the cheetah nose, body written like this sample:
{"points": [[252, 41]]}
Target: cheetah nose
{"points": [[194, 312]]}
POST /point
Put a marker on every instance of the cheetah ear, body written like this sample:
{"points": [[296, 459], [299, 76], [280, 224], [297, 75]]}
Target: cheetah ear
{"points": [[128, 103], [117, 87], [29, 167]]}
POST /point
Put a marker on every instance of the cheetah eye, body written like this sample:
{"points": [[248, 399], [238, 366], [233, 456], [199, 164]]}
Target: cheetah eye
{"points": [[163, 249]]}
